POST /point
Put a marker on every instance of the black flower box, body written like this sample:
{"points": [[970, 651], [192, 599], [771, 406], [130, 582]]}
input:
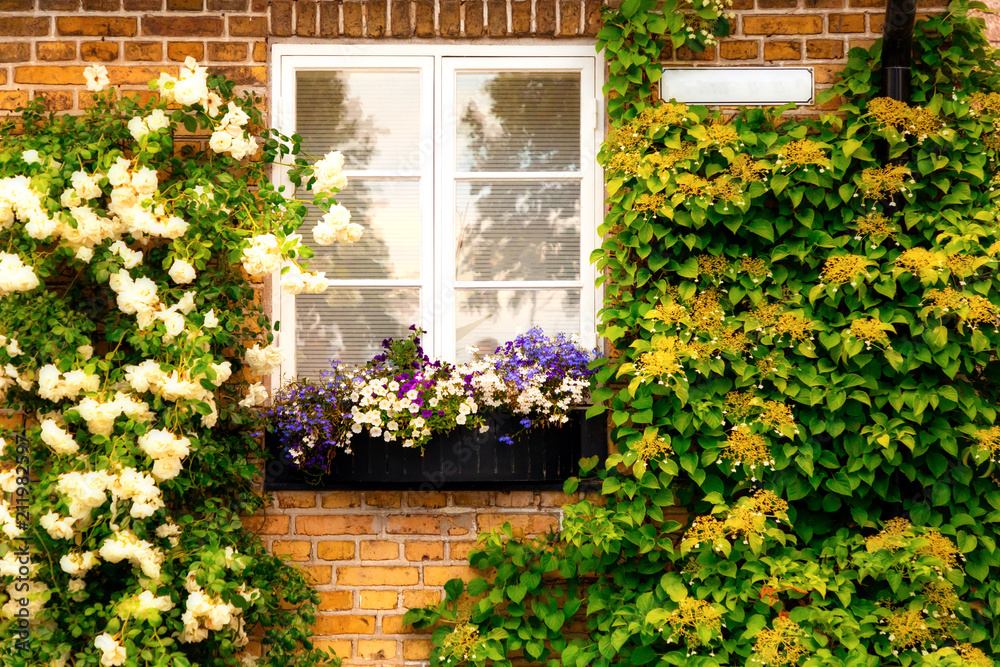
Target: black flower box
{"points": [[462, 459]]}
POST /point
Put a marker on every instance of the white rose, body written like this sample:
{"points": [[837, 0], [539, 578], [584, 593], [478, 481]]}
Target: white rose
{"points": [[57, 527], [191, 90], [211, 321], [144, 181], [316, 283], [118, 173], [112, 653], [181, 272], [59, 440], [220, 142], [97, 78], [157, 120], [164, 469], [30, 157], [137, 127], [256, 395], [329, 173]]}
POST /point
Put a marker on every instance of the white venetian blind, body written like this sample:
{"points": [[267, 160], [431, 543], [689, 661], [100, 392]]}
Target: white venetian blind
{"points": [[373, 116]]}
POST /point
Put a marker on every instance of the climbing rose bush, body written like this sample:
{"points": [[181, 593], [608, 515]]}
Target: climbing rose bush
{"points": [[131, 348]]}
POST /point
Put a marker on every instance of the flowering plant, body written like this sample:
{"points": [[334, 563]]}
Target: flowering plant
{"points": [[401, 395], [127, 301]]}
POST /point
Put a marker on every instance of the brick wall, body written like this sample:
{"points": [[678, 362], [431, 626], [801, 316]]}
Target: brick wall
{"points": [[375, 554]]}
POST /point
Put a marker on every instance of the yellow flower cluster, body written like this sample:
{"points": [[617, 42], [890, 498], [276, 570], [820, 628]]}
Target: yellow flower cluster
{"points": [[670, 157], [940, 600], [625, 138], [802, 152], [874, 224], [722, 135], [690, 615], [921, 260], [626, 162], [750, 518], [879, 182], [991, 141], [918, 121], [669, 312], [713, 266], [705, 530], [793, 326], [461, 644], [665, 114], [896, 534], [755, 267], [988, 103], [941, 548], [989, 439], [907, 628], [973, 657], [651, 446], [845, 268], [665, 359], [779, 645], [971, 308], [961, 266], [746, 448], [722, 188], [746, 169], [648, 202], [870, 330]]}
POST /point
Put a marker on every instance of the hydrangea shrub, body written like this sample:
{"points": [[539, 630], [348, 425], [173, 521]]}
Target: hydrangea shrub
{"points": [[805, 405], [132, 349]]}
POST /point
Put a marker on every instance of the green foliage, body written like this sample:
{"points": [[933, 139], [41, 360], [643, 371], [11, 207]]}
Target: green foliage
{"points": [[805, 405], [75, 320]]}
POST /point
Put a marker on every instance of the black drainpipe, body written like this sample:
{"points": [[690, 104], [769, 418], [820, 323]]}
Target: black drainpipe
{"points": [[897, 48]]}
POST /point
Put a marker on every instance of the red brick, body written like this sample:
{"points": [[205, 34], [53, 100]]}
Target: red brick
{"points": [[375, 11], [379, 550], [569, 18], [450, 18], [824, 4], [281, 19], [260, 52], [56, 100], [329, 19], [12, 99], [352, 524], [143, 5], [305, 18], [344, 625], [180, 51], [526, 523], [14, 52], [295, 550], [100, 51], [414, 525], [827, 73], [431, 499], [421, 551], [247, 26], [777, 4], [424, 18], [353, 18], [876, 22], [340, 499], [229, 52], [877, 4], [266, 525], [473, 498], [24, 26], [846, 22], [102, 5], [400, 15], [338, 550], [686, 53], [384, 499], [184, 5], [520, 14], [545, 17], [592, 18], [16, 5], [496, 18], [73, 74], [782, 25], [736, 49], [182, 26], [143, 50], [226, 5], [556, 498], [474, 18], [377, 576], [336, 600], [824, 49], [59, 5], [515, 499], [782, 50], [243, 75], [51, 51], [96, 26]]}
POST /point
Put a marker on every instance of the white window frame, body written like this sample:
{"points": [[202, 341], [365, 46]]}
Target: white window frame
{"points": [[437, 169]]}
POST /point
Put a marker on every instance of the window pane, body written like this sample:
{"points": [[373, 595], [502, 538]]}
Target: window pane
{"points": [[488, 318], [349, 324], [389, 210], [371, 116], [518, 121], [517, 230]]}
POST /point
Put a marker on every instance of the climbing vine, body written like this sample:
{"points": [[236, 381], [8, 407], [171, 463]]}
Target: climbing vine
{"points": [[805, 400]]}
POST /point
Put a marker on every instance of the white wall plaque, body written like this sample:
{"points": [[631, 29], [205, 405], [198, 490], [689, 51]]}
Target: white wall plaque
{"points": [[753, 86]]}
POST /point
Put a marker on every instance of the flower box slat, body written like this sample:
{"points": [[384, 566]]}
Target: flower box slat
{"points": [[463, 459]]}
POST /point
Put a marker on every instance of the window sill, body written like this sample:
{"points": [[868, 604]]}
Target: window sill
{"points": [[462, 459]]}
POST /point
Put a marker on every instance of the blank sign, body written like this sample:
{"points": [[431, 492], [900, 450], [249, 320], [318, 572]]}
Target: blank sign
{"points": [[754, 86]]}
